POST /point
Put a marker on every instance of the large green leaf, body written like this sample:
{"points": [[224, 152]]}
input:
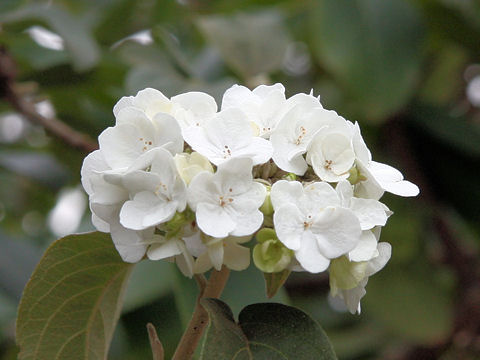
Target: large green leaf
{"points": [[71, 304], [264, 331], [372, 47], [84, 51]]}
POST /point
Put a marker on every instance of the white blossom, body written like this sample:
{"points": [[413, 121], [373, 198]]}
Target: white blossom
{"points": [[106, 201], [228, 135], [311, 222], [369, 212], [135, 134], [293, 135], [331, 152], [226, 203], [262, 105], [380, 178], [189, 109], [353, 277], [189, 165], [156, 195]]}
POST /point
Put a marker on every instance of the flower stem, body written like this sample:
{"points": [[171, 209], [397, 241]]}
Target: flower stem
{"points": [[155, 344], [211, 289]]}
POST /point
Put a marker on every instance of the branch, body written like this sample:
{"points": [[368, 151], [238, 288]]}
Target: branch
{"points": [[52, 125], [213, 289], [157, 347]]}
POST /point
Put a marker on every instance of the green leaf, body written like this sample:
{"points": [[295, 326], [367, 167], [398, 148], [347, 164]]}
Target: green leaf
{"points": [[374, 51], [84, 51], [274, 281], [251, 43], [71, 304], [264, 331]]}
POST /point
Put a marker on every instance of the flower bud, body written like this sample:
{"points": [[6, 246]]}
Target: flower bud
{"points": [[189, 165], [345, 274], [267, 207], [270, 255], [355, 176]]}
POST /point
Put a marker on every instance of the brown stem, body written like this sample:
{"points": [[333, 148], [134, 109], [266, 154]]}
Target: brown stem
{"points": [[52, 125], [192, 335], [157, 348]]}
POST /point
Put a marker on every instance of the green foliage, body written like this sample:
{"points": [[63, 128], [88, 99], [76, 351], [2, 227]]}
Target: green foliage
{"points": [[264, 331], [84, 52], [251, 44], [71, 304], [374, 52], [374, 60]]}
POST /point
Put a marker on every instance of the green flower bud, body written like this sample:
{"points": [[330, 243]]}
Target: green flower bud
{"points": [[346, 274], [271, 256], [355, 176], [267, 207], [290, 177]]}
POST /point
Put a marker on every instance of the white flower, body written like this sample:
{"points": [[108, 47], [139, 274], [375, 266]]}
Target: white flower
{"points": [[369, 212], [156, 195], [311, 222], [228, 135], [226, 203], [348, 279], [215, 252], [135, 134], [293, 134], [106, 201], [331, 152], [380, 178], [262, 105], [189, 165], [189, 109]]}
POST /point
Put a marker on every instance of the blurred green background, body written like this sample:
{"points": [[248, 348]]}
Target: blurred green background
{"points": [[407, 71]]}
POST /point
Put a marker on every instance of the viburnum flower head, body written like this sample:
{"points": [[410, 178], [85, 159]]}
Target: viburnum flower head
{"points": [[178, 179]]}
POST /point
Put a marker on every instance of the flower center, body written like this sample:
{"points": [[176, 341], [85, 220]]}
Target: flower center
{"points": [[226, 152], [146, 143], [308, 222], [300, 137], [328, 164], [225, 200]]}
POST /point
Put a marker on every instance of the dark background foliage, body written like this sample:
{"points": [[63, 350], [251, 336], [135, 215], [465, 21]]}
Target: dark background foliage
{"points": [[407, 71]]}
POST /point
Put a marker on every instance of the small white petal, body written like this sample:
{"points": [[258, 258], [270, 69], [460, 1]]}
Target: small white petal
{"points": [[166, 249], [146, 210], [377, 263], [289, 226], [286, 192], [215, 253], [309, 255], [337, 231], [94, 162], [369, 212], [366, 248], [236, 257], [214, 221]]}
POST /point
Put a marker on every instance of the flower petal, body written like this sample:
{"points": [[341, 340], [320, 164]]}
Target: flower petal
{"points": [[337, 231], [309, 255], [214, 221]]}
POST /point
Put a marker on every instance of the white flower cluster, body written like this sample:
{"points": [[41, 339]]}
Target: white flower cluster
{"points": [[177, 179]]}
